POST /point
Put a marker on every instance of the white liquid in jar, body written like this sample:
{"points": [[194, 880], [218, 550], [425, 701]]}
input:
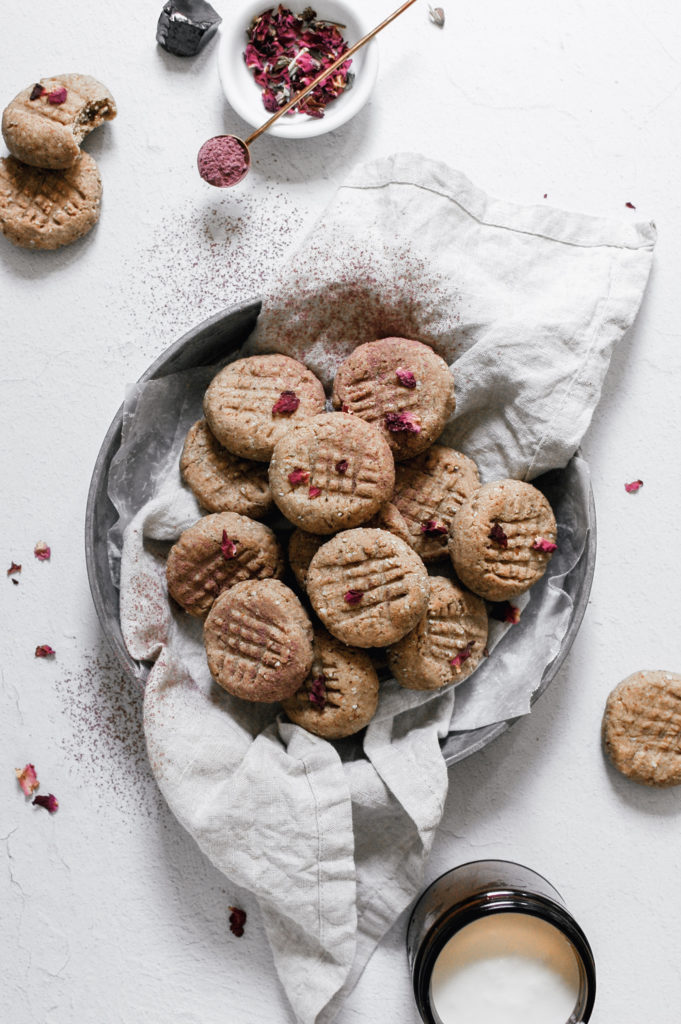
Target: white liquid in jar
{"points": [[506, 968]]}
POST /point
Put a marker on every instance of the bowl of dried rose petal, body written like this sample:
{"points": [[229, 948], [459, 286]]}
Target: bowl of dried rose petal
{"points": [[268, 54]]}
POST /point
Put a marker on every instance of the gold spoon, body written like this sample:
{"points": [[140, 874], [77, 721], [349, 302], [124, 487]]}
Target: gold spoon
{"points": [[225, 160]]}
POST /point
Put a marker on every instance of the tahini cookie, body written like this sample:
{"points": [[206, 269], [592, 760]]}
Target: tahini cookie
{"points": [[331, 472], [447, 644], [48, 209], [429, 490], [45, 124], [221, 481], [302, 547], [258, 641], [502, 539], [400, 386], [253, 402], [642, 728], [368, 587], [217, 552], [340, 695]]}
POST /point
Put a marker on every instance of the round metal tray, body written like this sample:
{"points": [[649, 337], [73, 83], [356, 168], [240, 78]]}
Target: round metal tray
{"points": [[205, 345]]}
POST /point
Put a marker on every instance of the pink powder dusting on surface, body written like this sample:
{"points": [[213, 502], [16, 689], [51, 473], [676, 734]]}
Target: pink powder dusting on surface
{"points": [[223, 161]]}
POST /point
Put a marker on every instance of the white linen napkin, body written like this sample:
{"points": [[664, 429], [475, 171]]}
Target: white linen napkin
{"points": [[526, 304]]}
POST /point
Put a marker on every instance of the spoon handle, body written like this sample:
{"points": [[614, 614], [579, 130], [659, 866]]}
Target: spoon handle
{"points": [[326, 72]]}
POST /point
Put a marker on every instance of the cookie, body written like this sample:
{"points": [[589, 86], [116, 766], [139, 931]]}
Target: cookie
{"points": [[331, 472], [253, 402], [447, 644], [221, 481], [389, 518], [502, 539], [48, 209], [215, 553], [402, 387], [340, 695], [642, 728], [258, 641], [45, 124], [302, 547], [368, 587], [429, 491]]}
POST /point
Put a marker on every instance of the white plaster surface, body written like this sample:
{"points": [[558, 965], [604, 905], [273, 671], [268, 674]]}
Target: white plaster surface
{"points": [[109, 912]]}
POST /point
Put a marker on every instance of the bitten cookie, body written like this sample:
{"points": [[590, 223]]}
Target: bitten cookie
{"points": [[502, 539], [258, 641], [368, 587], [340, 695], [330, 473], [302, 547], [48, 209], [642, 728], [429, 491], [253, 402], [447, 644], [402, 387], [45, 124], [215, 553], [221, 481]]}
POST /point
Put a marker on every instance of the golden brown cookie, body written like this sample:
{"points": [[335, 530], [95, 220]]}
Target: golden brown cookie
{"points": [[340, 695], [330, 473], [502, 539], [48, 209], [447, 644], [221, 481], [400, 386], [429, 491], [45, 124], [302, 547], [253, 402], [389, 518], [258, 641], [642, 728], [368, 587], [215, 553]]}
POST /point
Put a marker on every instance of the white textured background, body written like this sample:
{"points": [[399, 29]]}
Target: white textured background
{"points": [[109, 913]]}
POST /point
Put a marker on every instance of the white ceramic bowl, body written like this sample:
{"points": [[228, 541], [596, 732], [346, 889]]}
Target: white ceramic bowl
{"points": [[245, 95]]}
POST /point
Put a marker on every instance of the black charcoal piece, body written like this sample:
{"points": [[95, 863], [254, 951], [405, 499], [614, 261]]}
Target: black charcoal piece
{"points": [[185, 26]]}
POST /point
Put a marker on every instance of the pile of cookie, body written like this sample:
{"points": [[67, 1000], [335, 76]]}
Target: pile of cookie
{"points": [[50, 191], [368, 500]]}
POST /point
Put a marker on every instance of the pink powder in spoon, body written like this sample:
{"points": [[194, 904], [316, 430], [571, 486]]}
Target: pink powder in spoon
{"points": [[223, 161]]}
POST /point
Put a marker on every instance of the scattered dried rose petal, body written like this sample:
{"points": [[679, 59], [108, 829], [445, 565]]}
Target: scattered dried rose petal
{"points": [[237, 920], [342, 466], [298, 476], [345, 408], [433, 528], [462, 656], [13, 568], [498, 536], [317, 692], [44, 651], [37, 91], [542, 544], [228, 547], [397, 422], [27, 778], [504, 611], [630, 206], [57, 96], [631, 488], [49, 802], [437, 16], [42, 551], [15, 582], [546, 195], [314, 492], [353, 596], [405, 377], [287, 403]]}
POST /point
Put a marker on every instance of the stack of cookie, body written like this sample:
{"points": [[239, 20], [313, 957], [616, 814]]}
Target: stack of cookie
{"points": [[370, 503], [50, 191]]}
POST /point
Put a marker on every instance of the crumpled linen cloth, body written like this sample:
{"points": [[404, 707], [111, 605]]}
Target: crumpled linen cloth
{"points": [[526, 303]]}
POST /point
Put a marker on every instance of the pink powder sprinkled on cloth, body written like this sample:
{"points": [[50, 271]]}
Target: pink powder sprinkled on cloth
{"points": [[223, 161]]}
